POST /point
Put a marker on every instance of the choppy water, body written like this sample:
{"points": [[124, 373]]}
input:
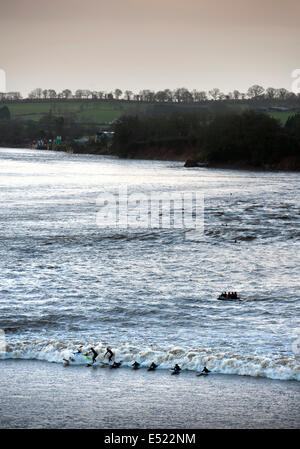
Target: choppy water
{"points": [[149, 293]]}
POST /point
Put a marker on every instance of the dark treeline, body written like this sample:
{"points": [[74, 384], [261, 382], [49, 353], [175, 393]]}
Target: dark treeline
{"points": [[214, 135], [249, 138], [255, 93]]}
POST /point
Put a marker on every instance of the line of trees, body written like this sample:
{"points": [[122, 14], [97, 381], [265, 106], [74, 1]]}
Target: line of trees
{"points": [[248, 138], [179, 95]]}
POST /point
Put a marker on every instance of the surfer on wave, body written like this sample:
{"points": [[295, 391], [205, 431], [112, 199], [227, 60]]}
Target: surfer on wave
{"points": [[111, 354]]}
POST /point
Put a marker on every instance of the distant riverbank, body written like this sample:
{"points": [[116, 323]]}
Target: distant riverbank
{"points": [[287, 164], [246, 140]]}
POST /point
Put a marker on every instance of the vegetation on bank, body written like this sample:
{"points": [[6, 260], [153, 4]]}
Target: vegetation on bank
{"points": [[15, 133], [248, 139], [217, 135]]}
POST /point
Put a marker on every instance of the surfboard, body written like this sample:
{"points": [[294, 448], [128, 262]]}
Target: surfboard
{"points": [[114, 366], [152, 368], [104, 364]]}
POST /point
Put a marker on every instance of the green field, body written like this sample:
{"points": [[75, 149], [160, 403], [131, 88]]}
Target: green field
{"points": [[100, 111], [83, 111], [281, 116]]}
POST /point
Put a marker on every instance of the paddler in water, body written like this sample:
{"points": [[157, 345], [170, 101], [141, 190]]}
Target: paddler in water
{"points": [[152, 367], [115, 365], [176, 368], [67, 361], [111, 354], [79, 350]]}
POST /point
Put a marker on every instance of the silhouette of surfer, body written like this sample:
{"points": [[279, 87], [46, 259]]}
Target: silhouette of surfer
{"points": [[67, 361], [176, 369], [116, 365], [95, 355], [152, 367], [79, 350], [111, 354]]}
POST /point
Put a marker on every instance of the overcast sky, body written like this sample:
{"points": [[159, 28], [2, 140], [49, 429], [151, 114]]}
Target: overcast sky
{"points": [[149, 44]]}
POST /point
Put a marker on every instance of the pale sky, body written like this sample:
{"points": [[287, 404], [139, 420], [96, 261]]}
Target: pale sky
{"points": [[148, 44]]}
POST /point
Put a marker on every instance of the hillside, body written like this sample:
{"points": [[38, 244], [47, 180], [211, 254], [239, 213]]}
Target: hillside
{"points": [[86, 111], [106, 111]]}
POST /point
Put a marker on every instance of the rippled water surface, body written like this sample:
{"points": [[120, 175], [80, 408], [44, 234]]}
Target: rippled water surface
{"points": [[149, 293]]}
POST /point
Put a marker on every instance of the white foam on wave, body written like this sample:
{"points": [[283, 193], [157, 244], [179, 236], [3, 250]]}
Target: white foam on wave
{"points": [[284, 368]]}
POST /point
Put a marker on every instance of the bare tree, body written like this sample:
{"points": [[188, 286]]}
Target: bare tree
{"points": [[39, 92], [79, 93], [282, 93], [67, 93], [215, 93], [161, 96], [270, 93], [236, 94], [183, 95], [199, 96], [255, 91], [128, 94], [118, 93], [169, 94], [52, 93], [147, 95], [36, 93]]}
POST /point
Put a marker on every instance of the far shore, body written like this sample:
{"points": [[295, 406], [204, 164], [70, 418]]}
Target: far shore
{"points": [[230, 166]]}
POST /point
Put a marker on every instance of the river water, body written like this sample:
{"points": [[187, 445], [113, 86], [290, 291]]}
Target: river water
{"points": [[68, 279]]}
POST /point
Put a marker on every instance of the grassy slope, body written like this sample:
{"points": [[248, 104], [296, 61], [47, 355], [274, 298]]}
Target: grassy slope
{"points": [[95, 111], [282, 116], [91, 111]]}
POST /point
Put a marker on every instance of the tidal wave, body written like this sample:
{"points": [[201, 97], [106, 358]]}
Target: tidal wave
{"points": [[216, 360]]}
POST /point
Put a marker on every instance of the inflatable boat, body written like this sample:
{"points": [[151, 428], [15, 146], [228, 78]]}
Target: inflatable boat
{"points": [[225, 298]]}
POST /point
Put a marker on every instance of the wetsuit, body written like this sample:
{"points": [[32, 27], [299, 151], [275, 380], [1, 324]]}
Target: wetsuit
{"points": [[152, 366], [177, 369], [111, 354], [95, 354], [116, 365]]}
